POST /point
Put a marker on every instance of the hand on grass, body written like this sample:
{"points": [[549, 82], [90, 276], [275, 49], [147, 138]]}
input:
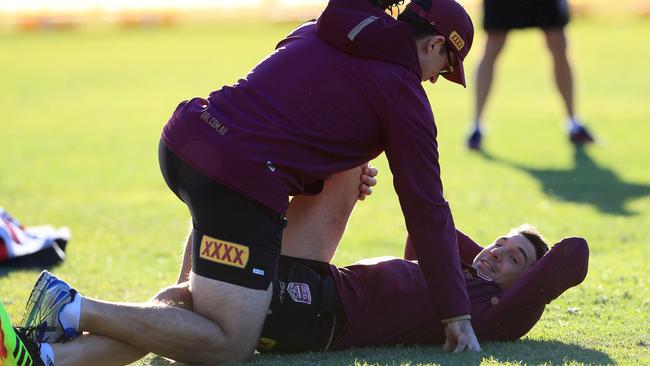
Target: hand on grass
{"points": [[367, 181], [460, 337]]}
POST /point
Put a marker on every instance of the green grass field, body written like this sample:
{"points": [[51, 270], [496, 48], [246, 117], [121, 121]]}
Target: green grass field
{"points": [[82, 112]]}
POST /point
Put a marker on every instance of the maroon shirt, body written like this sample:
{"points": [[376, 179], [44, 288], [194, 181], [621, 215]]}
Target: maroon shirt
{"points": [[333, 95], [387, 303]]}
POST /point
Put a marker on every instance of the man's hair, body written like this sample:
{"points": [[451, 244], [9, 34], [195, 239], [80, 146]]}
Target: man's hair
{"points": [[419, 27], [386, 4], [532, 234]]}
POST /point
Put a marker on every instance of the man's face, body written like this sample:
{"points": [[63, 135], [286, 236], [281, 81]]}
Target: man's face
{"points": [[506, 260], [433, 56]]}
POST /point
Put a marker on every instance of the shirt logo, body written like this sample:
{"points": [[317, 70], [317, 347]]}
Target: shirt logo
{"points": [[299, 292], [213, 122], [224, 252], [456, 40]]}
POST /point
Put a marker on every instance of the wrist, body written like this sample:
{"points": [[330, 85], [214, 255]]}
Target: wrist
{"points": [[456, 318]]}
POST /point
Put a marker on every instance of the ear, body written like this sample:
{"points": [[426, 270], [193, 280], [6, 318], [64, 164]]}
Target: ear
{"points": [[434, 41]]}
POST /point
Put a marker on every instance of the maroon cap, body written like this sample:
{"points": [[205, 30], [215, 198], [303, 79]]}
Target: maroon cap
{"points": [[450, 19]]}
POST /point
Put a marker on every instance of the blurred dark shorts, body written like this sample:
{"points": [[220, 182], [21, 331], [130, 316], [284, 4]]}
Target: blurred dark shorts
{"points": [[305, 313], [504, 15], [234, 239]]}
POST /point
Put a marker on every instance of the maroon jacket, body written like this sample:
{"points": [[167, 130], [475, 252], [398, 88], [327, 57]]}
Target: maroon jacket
{"points": [[387, 303], [323, 102]]}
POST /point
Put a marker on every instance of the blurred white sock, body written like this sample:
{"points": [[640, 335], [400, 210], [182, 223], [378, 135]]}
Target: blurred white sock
{"points": [[476, 126], [573, 124], [71, 313]]}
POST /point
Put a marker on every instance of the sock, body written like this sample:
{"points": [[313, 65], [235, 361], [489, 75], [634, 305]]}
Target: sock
{"points": [[71, 313], [47, 354], [573, 124]]}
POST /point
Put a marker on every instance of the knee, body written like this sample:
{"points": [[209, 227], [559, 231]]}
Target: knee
{"points": [[494, 44], [230, 349]]}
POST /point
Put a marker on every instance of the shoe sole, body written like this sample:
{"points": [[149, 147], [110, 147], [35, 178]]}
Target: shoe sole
{"points": [[36, 297]]}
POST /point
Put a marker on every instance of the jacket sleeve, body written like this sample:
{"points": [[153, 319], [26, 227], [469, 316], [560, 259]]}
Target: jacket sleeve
{"points": [[518, 308], [467, 248], [411, 148]]}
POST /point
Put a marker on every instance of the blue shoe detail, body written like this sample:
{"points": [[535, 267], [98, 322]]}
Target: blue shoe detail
{"points": [[41, 319]]}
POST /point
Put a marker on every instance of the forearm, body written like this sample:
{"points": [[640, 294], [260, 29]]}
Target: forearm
{"points": [[440, 263], [521, 305]]}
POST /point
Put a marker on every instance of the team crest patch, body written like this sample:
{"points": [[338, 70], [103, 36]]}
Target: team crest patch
{"points": [[224, 252], [457, 40], [299, 292]]}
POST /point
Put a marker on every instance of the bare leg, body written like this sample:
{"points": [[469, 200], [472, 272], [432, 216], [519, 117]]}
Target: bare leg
{"points": [[317, 223], [103, 351], [224, 326], [186, 265], [95, 350], [557, 45], [493, 46]]}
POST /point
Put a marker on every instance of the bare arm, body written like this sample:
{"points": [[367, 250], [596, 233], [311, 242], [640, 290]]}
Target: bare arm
{"points": [[519, 307], [467, 248]]}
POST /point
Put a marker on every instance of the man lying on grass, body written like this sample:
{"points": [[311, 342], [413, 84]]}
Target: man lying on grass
{"points": [[384, 301], [318, 306]]}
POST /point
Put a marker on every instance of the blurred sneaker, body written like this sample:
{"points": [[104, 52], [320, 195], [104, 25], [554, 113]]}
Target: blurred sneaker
{"points": [[41, 319], [580, 135], [16, 349], [474, 140]]}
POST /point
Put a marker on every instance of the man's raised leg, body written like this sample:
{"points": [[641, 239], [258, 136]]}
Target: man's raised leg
{"points": [[317, 223]]}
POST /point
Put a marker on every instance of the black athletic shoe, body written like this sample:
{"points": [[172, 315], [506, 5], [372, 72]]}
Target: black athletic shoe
{"points": [[474, 140], [33, 349], [581, 136], [16, 349]]}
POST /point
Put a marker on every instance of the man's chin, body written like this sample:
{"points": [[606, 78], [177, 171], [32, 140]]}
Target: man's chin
{"points": [[483, 271]]}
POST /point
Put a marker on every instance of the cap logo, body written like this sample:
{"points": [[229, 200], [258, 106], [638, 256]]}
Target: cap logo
{"points": [[457, 40]]}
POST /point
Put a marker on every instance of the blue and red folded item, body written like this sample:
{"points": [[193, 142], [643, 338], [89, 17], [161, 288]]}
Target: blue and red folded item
{"points": [[35, 246]]}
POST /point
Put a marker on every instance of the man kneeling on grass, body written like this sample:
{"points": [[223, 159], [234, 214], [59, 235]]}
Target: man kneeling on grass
{"points": [[318, 306]]}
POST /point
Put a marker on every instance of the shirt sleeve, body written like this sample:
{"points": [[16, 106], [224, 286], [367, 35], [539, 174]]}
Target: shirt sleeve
{"points": [[412, 151], [518, 308], [467, 248]]}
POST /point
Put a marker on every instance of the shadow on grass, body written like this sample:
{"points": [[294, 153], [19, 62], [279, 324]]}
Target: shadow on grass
{"points": [[524, 352], [585, 183], [5, 269]]}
